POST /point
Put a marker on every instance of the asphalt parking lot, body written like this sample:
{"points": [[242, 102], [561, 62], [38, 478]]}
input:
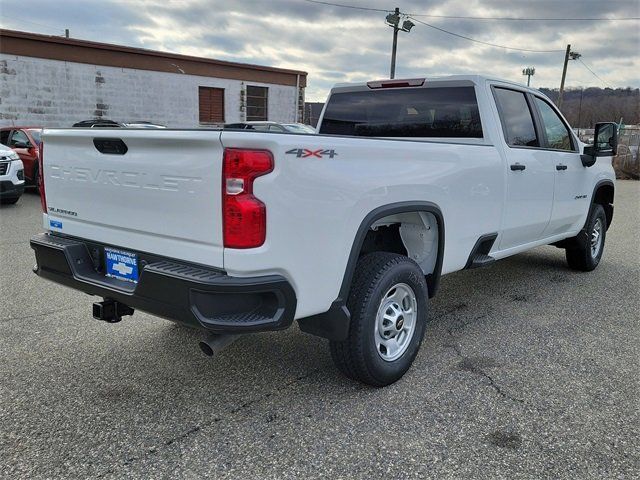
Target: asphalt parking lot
{"points": [[528, 370]]}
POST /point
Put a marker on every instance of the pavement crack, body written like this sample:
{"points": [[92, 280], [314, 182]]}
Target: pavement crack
{"points": [[470, 366], [498, 389], [198, 428]]}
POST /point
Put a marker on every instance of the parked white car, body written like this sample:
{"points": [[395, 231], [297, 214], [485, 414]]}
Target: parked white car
{"points": [[348, 231], [11, 176]]}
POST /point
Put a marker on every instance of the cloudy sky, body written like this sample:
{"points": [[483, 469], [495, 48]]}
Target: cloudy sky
{"points": [[337, 44]]}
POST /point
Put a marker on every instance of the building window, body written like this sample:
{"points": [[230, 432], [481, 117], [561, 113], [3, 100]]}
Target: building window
{"points": [[257, 100], [211, 103]]}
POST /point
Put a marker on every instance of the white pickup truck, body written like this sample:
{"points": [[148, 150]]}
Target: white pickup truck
{"points": [[347, 231]]}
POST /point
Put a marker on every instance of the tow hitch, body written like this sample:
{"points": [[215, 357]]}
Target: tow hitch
{"points": [[110, 311]]}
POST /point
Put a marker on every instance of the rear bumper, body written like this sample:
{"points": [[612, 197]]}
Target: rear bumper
{"points": [[182, 292]]}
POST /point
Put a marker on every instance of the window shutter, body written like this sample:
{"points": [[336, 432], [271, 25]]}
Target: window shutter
{"points": [[211, 104]]}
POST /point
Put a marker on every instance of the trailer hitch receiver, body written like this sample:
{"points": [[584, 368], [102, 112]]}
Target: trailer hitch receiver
{"points": [[110, 310]]}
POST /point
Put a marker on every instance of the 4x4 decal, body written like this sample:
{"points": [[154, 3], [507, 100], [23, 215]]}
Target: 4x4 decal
{"points": [[305, 152]]}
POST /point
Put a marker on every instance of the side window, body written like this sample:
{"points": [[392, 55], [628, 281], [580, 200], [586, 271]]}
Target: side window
{"points": [[516, 118], [558, 135], [4, 137], [19, 137]]}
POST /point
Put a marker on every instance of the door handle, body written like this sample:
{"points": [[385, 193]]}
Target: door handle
{"points": [[517, 166], [561, 167]]}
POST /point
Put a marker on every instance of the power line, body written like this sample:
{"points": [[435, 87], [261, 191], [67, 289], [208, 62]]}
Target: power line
{"points": [[482, 42], [460, 17], [524, 19], [594, 73], [343, 5]]}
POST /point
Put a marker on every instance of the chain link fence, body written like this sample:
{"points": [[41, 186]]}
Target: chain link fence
{"points": [[627, 162]]}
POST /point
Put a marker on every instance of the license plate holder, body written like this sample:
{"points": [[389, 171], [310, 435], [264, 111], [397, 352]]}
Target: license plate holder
{"points": [[121, 264]]}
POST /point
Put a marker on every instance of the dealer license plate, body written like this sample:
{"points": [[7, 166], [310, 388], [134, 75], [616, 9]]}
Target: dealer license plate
{"points": [[121, 265]]}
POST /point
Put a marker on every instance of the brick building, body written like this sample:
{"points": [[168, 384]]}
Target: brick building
{"points": [[56, 81]]}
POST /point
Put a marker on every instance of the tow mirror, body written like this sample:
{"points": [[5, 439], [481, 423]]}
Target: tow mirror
{"points": [[605, 143]]}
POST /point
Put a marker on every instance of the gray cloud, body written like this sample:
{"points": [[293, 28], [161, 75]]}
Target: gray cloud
{"points": [[337, 44]]}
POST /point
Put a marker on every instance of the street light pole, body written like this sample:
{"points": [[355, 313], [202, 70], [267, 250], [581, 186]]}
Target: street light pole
{"points": [[529, 72]]}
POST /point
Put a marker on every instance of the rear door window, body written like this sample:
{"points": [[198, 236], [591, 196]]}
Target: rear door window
{"points": [[444, 112], [516, 118]]}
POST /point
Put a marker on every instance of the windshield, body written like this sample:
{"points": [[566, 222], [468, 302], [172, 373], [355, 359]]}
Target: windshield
{"points": [[36, 134]]}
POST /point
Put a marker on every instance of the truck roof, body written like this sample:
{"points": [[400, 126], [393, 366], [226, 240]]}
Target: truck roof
{"points": [[474, 79]]}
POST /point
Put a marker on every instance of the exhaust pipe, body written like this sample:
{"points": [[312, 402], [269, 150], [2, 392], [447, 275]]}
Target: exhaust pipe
{"points": [[213, 344], [110, 311]]}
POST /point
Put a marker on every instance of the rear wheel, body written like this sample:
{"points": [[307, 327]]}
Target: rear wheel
{"points": [[388, 305], [9, 201], [586, 250]]}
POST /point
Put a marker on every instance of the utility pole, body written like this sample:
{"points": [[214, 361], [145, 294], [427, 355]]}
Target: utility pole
{"points": [[393, 20], [569, 55], [529, 72], [66, 33], [394, 48]]}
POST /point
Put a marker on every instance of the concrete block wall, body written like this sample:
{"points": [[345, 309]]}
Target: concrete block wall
{"points": [[52, 93]]}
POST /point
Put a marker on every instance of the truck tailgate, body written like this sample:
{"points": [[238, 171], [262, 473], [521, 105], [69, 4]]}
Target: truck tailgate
{"points": [[162, 195]]}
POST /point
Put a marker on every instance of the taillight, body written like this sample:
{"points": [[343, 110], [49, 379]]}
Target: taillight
{"points": [[40, 179], [244, 217]]}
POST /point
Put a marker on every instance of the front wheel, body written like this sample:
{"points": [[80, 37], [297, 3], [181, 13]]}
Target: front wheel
{"points": [[388, 305], [586, 251]]}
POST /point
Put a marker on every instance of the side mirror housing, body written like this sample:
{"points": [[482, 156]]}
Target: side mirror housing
{"points": [[605, 143]]}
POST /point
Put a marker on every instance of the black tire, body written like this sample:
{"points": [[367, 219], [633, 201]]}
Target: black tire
{"points": [[375, 276], [580, 255], [9, 201]]}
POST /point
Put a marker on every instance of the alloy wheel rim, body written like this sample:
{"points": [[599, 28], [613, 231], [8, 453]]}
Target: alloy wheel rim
{"points": [[395, 322], [596, 238]]}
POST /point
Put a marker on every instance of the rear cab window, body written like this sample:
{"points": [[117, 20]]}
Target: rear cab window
{"points": [[431, 112]]}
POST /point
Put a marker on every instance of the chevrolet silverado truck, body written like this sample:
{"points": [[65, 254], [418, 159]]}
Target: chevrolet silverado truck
{"points": [[347, 231]]}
